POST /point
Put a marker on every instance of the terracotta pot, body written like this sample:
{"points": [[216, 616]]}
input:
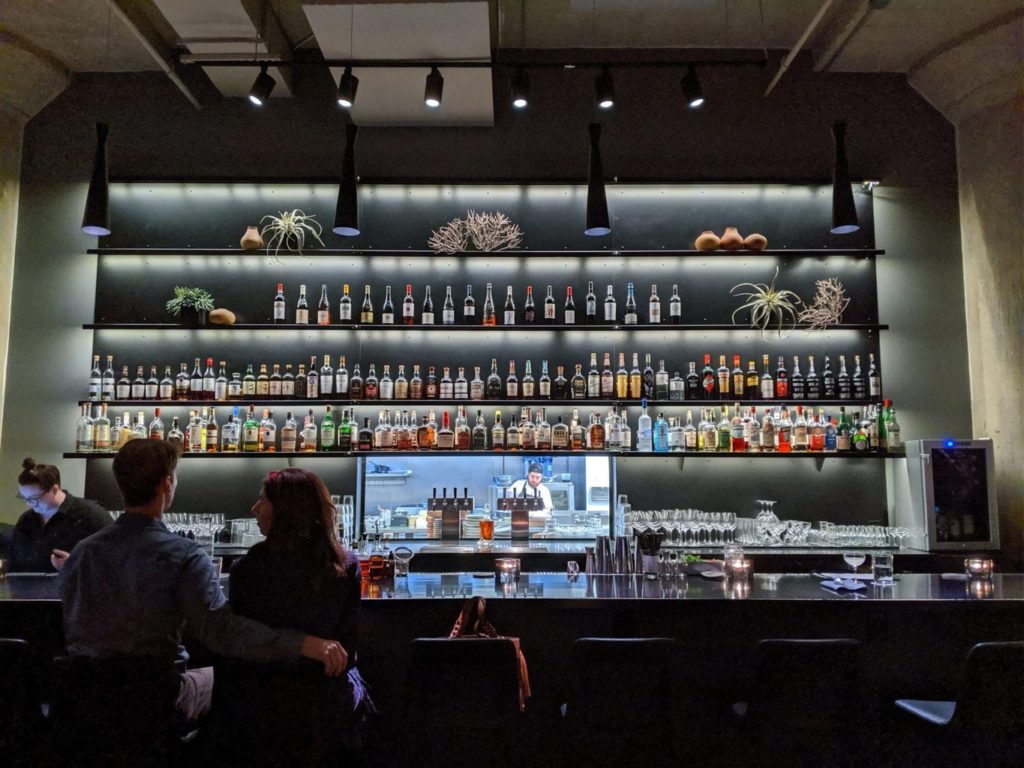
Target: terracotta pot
{"points": [[706, 241], [755, 242], [732, 240], [251, 240]]}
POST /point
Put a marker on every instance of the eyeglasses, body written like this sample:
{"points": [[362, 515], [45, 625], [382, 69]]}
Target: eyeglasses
{"points": [[31, 499]]}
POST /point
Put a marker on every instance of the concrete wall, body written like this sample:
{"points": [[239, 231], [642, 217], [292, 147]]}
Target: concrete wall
{"points": [[11, 129], [894, 135], [990, 153]]}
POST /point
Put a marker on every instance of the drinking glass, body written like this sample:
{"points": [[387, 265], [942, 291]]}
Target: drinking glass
{"points": [[854, 560], [402, 557], [486, 530], [881, 569]]}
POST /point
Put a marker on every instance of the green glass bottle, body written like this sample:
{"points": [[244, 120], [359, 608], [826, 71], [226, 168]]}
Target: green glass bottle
{"points": [[328, 431], [251, 432]]}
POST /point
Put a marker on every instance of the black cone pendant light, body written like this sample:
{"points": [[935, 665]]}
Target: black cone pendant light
{"points": [[96, 220], [346, 215], [844, 212], [597, 204]]}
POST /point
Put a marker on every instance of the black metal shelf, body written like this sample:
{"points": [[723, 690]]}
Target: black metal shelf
{"points": [[618, 328], [504, 402], [638, 454], [418, 252]]}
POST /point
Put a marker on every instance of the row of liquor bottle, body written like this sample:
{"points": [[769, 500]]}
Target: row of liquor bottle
{"points": [[549, 310], [324, 382], [774, 430]]}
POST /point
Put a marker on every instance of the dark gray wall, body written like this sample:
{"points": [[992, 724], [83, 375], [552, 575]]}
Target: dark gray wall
{"points": [[740, 135]]}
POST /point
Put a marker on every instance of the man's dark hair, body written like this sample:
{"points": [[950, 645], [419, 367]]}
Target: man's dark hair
{"points": [[139, 468]]}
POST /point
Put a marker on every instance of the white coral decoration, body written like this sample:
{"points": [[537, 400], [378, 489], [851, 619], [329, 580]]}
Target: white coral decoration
{"points": [[487, 231], [830, 302], [290, 230]]}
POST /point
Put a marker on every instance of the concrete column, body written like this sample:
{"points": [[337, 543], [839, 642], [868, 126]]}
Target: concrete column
{"points": [[11, 131]]}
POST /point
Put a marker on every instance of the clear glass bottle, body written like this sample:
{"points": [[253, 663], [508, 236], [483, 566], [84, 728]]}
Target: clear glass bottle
{"points": [[631, 316], [345, 305]]}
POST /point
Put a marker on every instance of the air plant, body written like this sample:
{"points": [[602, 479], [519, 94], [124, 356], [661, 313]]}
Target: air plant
{"points": [[290, 230], [830, 302], [767, 304]]}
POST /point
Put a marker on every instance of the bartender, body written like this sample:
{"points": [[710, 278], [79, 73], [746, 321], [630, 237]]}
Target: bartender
{"points": [[533, 486], [54, 523]]}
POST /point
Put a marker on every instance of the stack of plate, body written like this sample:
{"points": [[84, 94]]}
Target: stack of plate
{"points": [[434, 524], [471, 526]]}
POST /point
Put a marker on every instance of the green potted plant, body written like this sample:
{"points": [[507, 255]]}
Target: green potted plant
{"points": [[190, 305]]}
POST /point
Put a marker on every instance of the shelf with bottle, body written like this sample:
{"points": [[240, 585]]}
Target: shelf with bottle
{"points": [[462, 328], [501, 402], [513, 253], [530, 452]]}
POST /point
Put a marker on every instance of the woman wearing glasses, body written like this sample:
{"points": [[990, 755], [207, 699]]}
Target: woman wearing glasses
{"points": [[52, 525]]}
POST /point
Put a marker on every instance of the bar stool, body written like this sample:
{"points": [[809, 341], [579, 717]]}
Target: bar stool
{"points": [[621, 707], [985, 725], [463, 701], [20, 708], [805, 707]]}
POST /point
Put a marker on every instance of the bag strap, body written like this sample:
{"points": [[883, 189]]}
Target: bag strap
{"points": [[469, 618]]}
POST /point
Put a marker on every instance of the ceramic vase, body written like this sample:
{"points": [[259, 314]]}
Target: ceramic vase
{"points": [[251, 240], [706, 241], [192, 317], [755, 242], [731, 239]]}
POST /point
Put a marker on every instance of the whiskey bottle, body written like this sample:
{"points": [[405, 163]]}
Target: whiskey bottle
{"points": [[209, 381], [632, 316], [248, 382], [175, 436], [550, 309], [511, 383], [280, 306], [156, 426], [220, 384], [401, 384], [801, 431], [328, 431], [797, 385], [528, 386], [235, 386], [84, 427], [577, 435], [250, 432], [752, 384], [461, 429], [416, 384], [510, 308], [544, 382], [341, 378], [95, 382], [676, 387], [611, 313], [529, 309], [488, 314], [595, 433], [139, 384], [622, 379], [152, 388], [578, 385], [263, 383], [724, 379], [366, 311], [445, 435], [302, 308], [313, 380], [289, 434], [307, 437], [345, 306], [527, 431], [636, 379], [767, 384], [386, 386], [607, 378], [123, 388], [494, 387], [300, 382], [371, 385], [408, 307], [590, 303], [559, 436], [231, 433], [212, 432], [364, 441], [107, 381], [497, 433], [323, 310], [448, 308], [166, 391], [512, 434], [813, 382], [430, 387], [593, 378], [724, 428], [569, 317], [469, 307], [843, 380], [859, 385], [543, 432], [427, 313], [387, 309], [461, 386], [691, 440], [480, 432], [446, 390], [560, 386], [874, 378], [828, 381]]}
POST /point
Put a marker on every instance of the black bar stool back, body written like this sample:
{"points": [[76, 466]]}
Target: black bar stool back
{"points": [[20, 711]]}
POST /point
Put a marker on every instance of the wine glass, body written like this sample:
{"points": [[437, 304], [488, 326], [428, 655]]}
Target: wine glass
{"points": [[854, 560]]}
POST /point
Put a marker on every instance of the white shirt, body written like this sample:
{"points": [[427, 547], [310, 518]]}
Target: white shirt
{"points": [[541, 492]]}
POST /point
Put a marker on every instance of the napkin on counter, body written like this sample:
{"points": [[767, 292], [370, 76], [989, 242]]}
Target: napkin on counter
{"points": [[847, 584]]}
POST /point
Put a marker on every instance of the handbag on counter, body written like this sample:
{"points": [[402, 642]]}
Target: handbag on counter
{"points": [[473, 622]]}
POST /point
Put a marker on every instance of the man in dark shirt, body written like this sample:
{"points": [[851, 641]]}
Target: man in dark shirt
{"points": [[54, 523], [129, 590]]}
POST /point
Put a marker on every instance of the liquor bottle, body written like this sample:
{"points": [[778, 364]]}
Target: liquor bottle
{"points": [[874, 378], [387, 309], [445, 435], [676, 386], [430, 386], [139, 384], [611, 311], [366, 311], [738, 443], [676, 436], [427, 313], [230, 435], [401, 384], [781, 380], [590, 303], [175, 436], [607, 378], [768, 432], [250, 432], [406, 433], [461, 386], [489, 314], [448, 308], [529, 309], [843, 431], [235, 386], [570, 307], [493, 387], [463, 434], [636, 379], [650, 382], [95, 382], [289, 434], [364, 441], [386, 386], [724, 376], [596, 433], [497, 433], [302, 308], [816, 432], [724, 429], [249, 382], [220, 384], [212, 432], [767, 384], [801, 431], [166, 389], [894, 439], [544, 382], [341, 378], [550, 309], [510, 308], [313, 380], [831, 435], [859, 442], [371, 385], [691, 439], [578, 384], [107, 381], [346, 436], [813, 382], [328, 431], [307, 437], [84, 427], [660, 436], [280, 305], [560, 386], [123, 387], [857, 382], [784, 433], [263, 383], [738, 379], [469, 307], [512, 435], [675, 306], [425, 435], [622, 378], [577, 436], [752, 381], [843, 380], [446, 389], [612, 431], [828, 381], [593, 378], [511, 383], [797, 385], [654, 306], [323, 310], [478, 439], [644, 429], [345, 306], [707, 379], [559, 436], [156, 426], [693, 383], [415, 384], [632, 316], [152, 385], [527, 386], [543, 431]]}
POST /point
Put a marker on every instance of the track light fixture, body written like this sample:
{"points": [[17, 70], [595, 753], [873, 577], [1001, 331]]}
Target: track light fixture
{"points": [[347, 87], [261, 87], [692, 91], [597, 204], [96, 219], [435, 89], [346, 215], [844, 212], [520, 89], [605, 87]]}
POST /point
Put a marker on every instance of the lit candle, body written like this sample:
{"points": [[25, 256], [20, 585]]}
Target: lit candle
{"points": [[739, 568], [508, 568], [978, 567]]}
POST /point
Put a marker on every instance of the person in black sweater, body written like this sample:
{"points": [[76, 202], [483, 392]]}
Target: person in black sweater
{"points": [[54, 523], [300, 578]]}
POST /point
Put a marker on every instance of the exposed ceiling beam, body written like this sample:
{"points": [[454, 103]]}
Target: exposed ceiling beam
{"points": [[799, 45], [837, 33]]}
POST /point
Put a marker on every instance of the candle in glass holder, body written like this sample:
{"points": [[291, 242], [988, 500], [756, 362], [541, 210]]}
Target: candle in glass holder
{"points": [[739, 568], [978, 567], [980, 589], [508, 568]]}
